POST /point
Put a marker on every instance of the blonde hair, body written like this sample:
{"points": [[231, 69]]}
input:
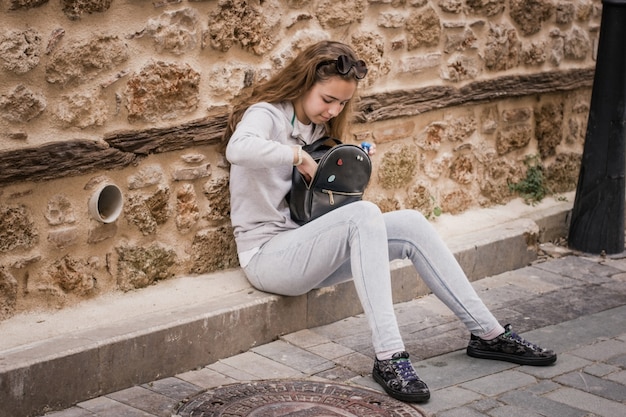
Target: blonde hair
{"points": [[298, 77]]}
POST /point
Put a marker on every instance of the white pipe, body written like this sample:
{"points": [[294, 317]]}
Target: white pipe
{"points": [[105, 205]]}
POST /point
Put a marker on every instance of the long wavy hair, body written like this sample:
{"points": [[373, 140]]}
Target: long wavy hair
{"points": [[298, 77]]}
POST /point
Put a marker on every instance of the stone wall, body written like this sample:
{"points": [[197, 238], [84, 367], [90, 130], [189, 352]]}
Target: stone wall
{"points": [[135, 94]]}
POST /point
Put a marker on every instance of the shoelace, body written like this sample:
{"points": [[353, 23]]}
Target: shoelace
{"points": [[405, 370], [519, 339]]}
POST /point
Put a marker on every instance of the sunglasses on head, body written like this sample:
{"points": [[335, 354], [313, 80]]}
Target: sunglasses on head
{"points": [[344, 64]]}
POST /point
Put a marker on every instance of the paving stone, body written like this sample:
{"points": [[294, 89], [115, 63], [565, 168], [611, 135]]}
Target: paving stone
{"points": [[527, 315], [617, 285], [232, 372], [337, 374], [485, 404], [493, 385], [206, 378], [513, 411], [594, 385], [146, 400], [330, 350], [600, 369], [540, 404], [461, 412], [550, 278], [588, 329], [618, 361], [305, 338], [585, 401], [515, 318], [412, 331], [533, 280], [617, 263], [174, 388], [619, 377], [294, 357], [456, 368], [543, 387], [564, 364], [501, 280], [423, 313], [579, 268], [71, 412], [320, 379], [261, 367], [358, 338], [438, 341], [359, 343], [447, 398], [350, 326], [602, 350], [357, 362], [504, 295], [367, 382], [544, 336], [432, 307], [107, 407], [414, 334], [550, 308]]}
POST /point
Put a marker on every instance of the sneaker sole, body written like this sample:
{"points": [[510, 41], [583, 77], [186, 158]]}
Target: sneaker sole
{"points": [[409, 398], [520, 360]]}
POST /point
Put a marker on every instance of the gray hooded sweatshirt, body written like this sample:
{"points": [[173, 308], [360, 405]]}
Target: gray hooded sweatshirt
{"points": [[260, 152]]}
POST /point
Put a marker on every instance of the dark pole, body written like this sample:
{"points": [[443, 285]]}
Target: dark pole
{"points": [[597, 223]]}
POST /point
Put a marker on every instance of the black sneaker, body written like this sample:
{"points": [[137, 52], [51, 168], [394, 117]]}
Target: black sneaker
{"points": [[510, 347], [399, 379]]}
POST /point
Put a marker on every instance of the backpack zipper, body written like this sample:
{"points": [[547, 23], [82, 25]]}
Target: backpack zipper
{"points": [[332, 199]]}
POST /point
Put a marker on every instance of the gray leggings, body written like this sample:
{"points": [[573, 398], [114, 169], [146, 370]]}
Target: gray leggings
{"points": [[357, 242]]}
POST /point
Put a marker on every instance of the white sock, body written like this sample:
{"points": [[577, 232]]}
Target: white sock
{"points": [[387, 354], [497, 331]]}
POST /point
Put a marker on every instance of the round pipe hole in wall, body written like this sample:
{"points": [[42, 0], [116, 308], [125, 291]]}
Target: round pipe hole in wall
{"points": [[105, 205]]}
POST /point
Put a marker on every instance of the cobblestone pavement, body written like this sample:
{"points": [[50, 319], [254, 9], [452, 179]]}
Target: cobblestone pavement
{"points": [[575, 305]]}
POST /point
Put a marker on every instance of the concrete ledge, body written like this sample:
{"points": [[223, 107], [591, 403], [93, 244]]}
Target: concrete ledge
{"points": [[51, 361]]}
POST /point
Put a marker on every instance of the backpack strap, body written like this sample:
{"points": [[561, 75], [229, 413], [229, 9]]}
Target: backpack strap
{"points": [[324, 143]]}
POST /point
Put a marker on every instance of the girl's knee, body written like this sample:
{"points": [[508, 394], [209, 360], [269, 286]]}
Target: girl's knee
{"points": [[408, 221], [360, 210], [367, 207], [418, 217]]}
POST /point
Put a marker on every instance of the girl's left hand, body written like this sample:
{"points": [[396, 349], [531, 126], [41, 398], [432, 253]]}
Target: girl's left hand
{"points": [[370, 148]]}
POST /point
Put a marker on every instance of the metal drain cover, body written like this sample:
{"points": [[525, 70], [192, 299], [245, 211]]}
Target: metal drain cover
{"points": [[290, 398]]}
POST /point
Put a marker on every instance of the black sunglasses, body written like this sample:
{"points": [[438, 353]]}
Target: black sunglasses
{"points": [[344, 64]]}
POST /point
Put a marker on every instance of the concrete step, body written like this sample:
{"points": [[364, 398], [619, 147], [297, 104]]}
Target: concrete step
{"points": [[53, 360]]}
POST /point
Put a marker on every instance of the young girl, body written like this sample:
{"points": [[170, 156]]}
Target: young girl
{"points": [[311, 97]]}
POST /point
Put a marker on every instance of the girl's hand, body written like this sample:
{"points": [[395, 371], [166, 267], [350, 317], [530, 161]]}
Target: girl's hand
{"points": [[370, 148], [308, 167]]}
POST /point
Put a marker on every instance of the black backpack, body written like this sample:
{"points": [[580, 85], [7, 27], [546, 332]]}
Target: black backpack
{"points": [[342, 175]]}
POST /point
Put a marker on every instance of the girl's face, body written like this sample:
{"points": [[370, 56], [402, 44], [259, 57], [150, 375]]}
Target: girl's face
{"points": [[325, 100]]}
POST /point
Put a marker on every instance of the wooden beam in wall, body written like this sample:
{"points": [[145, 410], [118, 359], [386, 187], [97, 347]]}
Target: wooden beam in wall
{"points": [[403, 103]]}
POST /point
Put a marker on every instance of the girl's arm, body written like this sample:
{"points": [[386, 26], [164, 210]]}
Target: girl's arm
{"points": [[260, 141]]}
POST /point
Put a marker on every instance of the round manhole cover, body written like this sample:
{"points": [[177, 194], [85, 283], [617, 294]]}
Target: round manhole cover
{"points": [[295, 399]]}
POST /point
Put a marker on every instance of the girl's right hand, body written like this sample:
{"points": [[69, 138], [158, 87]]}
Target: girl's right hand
{"points": [[308, 167]]}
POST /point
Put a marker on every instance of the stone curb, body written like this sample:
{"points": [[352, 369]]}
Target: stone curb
{"points": [[59, 372]]}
